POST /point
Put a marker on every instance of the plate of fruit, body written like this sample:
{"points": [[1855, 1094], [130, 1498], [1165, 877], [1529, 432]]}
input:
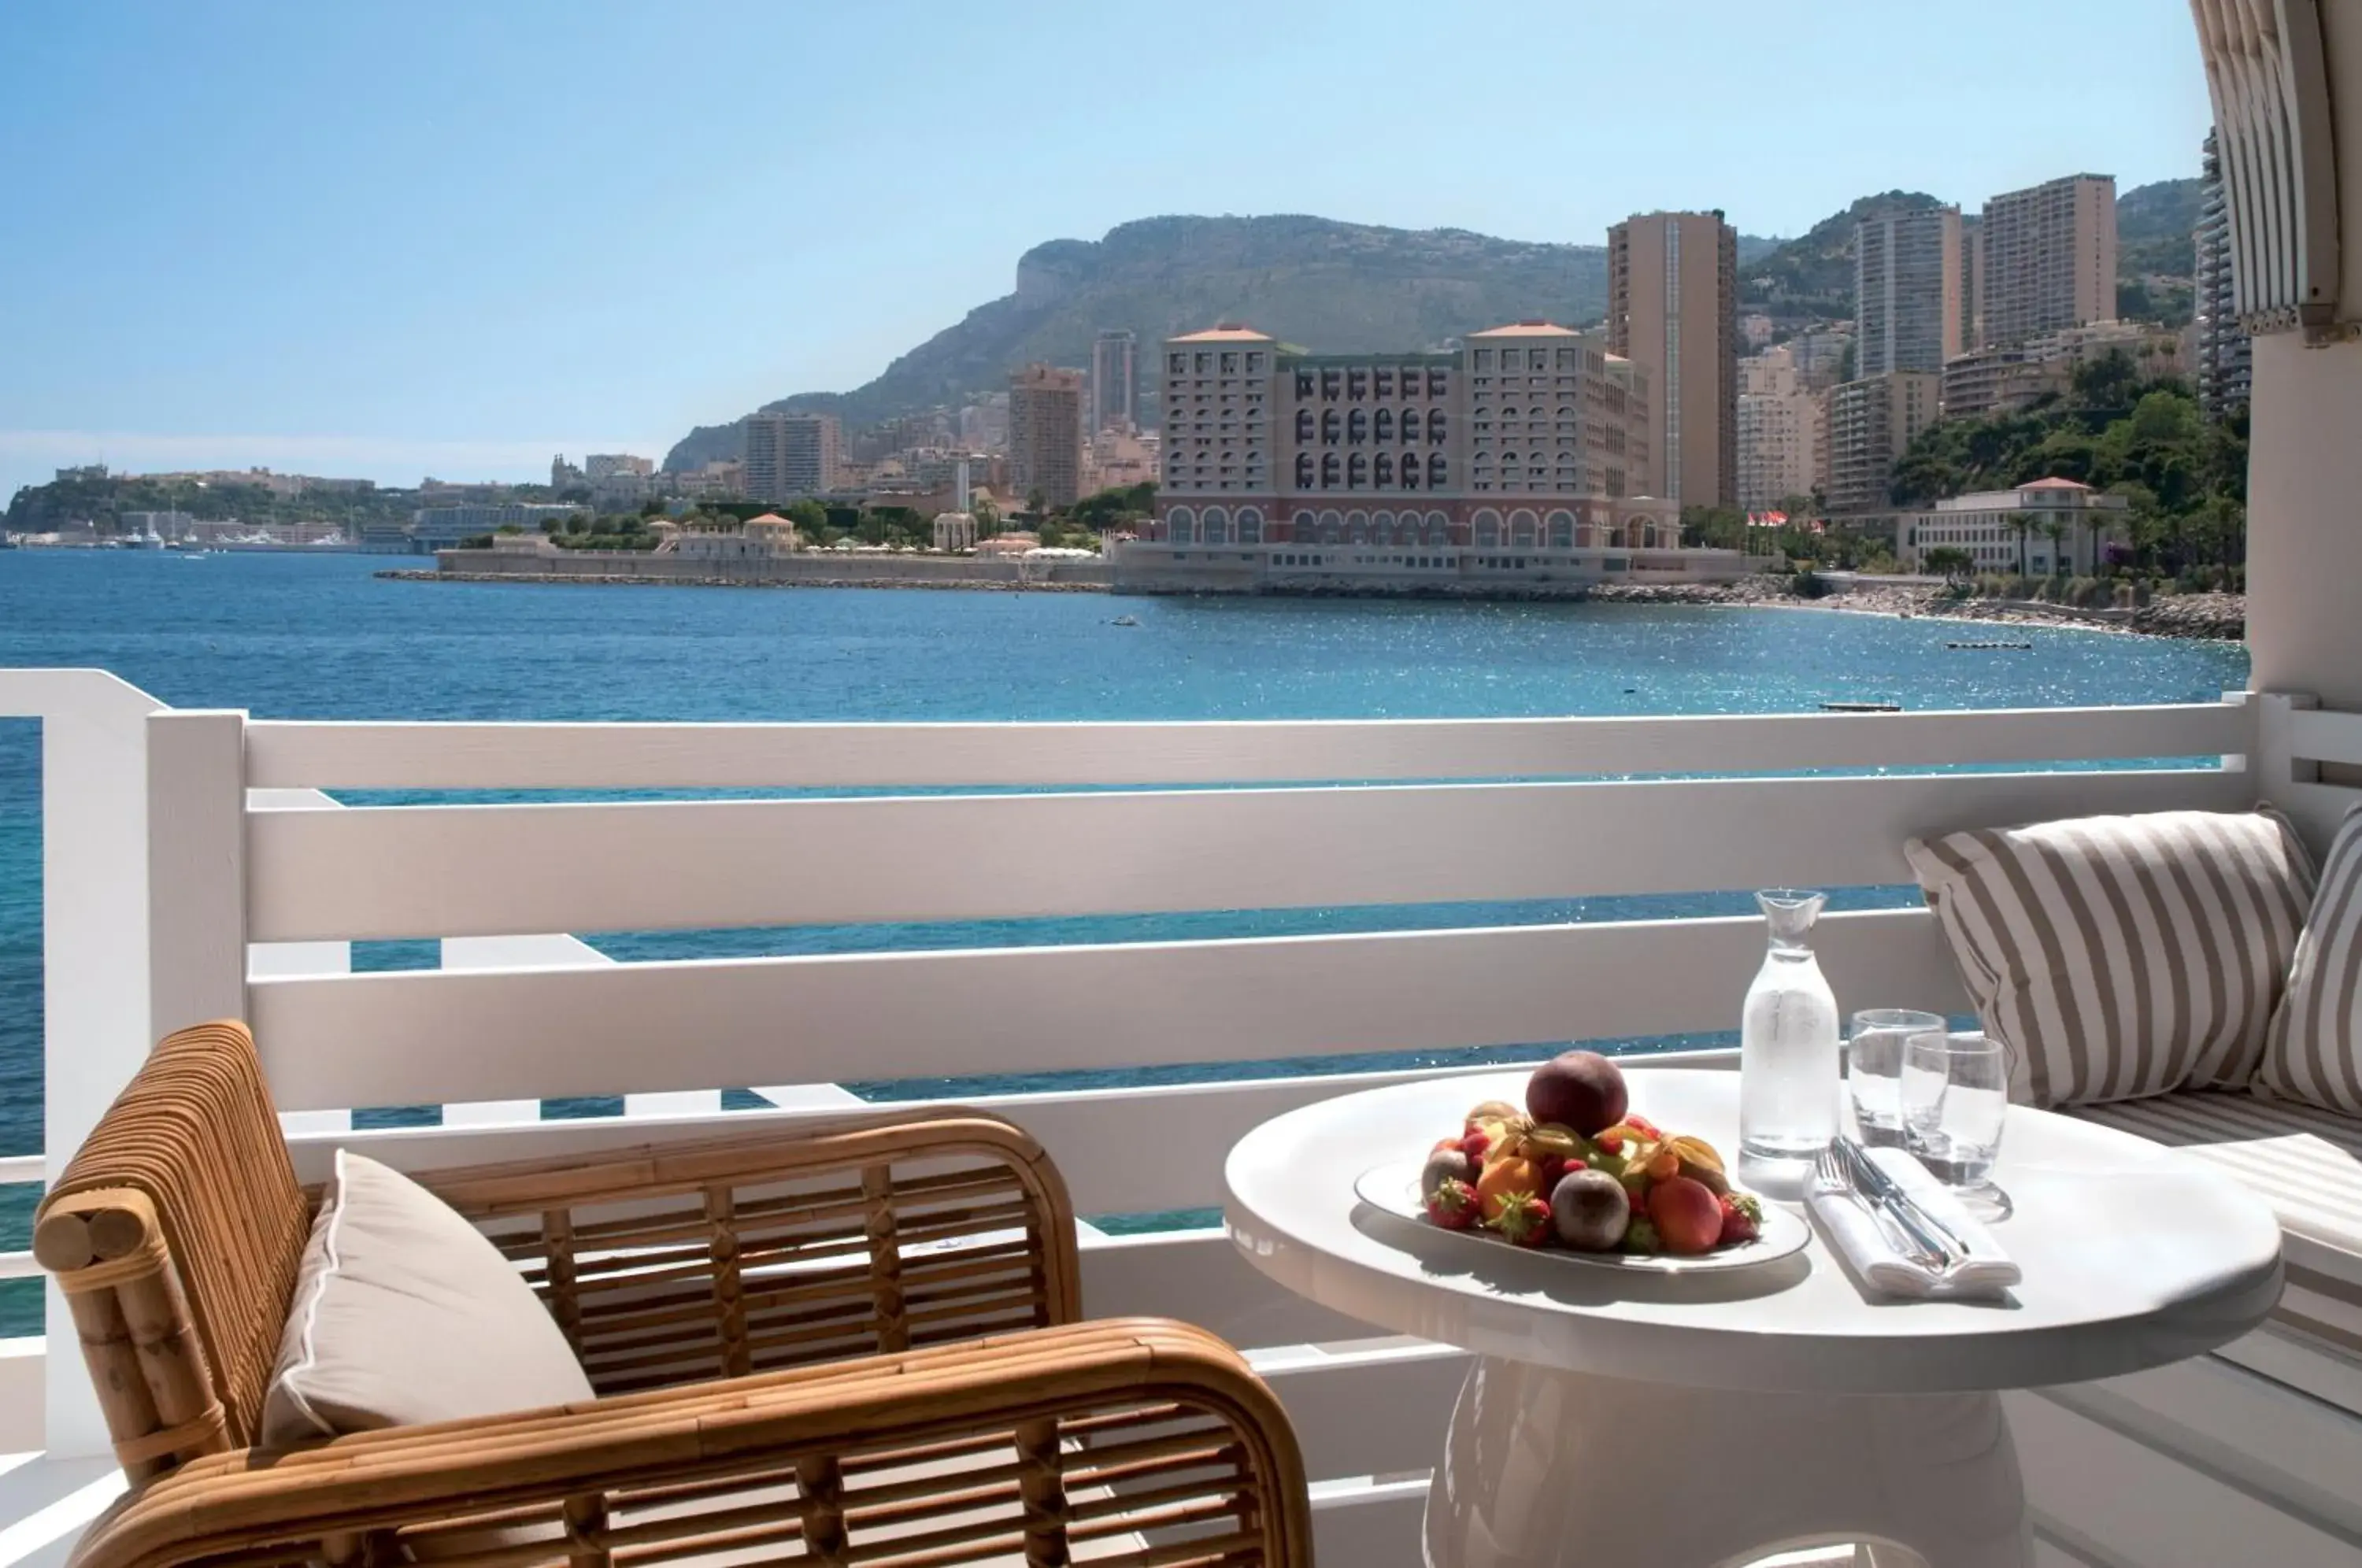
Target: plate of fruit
{"points": [[1578, 1172]]}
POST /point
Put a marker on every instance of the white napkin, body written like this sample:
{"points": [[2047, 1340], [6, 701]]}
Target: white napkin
{"points": [[1847, 1225]]}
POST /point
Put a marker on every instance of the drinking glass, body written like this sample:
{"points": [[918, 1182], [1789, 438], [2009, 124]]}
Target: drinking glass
{"points": [[1955, 1093], [1875, 1069]]}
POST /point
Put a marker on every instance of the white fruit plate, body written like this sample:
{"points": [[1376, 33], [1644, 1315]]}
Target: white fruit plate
{"points": [[1393, 1187]]}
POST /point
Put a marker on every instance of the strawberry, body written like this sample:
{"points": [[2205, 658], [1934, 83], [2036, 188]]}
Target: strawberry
{"points": [[1452, 1204], [1524, 1219], [1611, 1142], [1476, 1146], [1742, 1219], [1554, 1167], [1643, 1126]]}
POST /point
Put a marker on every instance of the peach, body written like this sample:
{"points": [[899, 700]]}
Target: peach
{"points": [[1687, 1215]]}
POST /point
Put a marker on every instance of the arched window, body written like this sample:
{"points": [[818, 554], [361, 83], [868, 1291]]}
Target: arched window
{"points": [[1357, 527], [1489, 529], [1330, 471], [1215, 527], [1333, 426], [1382, 527], [1250, 526], [1181, 526], [1435, 470], [1381, 428], [1304, 425], [1357, 471], [1303, 470], [1410, 425], [1522, 528], [1438, 528], [1509, 413], [1410, 470], [1357, 428], [1566, 411], [1303, 528], [1332, 528], [1384, 468], [1434, 434], [1508, 458], [1561, 530]]}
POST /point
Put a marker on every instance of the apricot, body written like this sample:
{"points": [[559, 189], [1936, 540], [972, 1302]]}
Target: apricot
{"points": [[1515, 1175], [1687, 1215]]}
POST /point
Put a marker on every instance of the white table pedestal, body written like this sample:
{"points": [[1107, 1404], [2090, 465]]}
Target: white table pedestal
{"points": [[1543, 1468]]}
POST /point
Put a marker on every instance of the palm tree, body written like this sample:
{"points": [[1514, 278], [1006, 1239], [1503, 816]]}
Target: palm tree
{"points": [[2023, 526], [2055, 529]]}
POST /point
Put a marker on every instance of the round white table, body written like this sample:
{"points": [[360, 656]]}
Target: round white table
{"points": [[1712, 1418]]}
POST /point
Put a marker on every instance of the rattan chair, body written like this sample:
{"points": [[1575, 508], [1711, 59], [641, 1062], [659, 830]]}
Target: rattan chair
{"points": [[851, 1344]]}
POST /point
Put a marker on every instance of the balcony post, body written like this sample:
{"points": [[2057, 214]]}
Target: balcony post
{"points": [[94, 954], [196, 869]]}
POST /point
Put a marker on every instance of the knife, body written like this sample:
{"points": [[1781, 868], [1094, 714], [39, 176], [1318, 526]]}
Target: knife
{"points": [[1886, 1191]]}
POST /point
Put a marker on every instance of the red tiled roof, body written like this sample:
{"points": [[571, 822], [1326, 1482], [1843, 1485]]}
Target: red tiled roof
{"points": [[2053, 482]]}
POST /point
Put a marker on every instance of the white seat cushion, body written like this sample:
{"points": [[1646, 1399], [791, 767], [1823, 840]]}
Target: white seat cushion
{"points": [[2306, 1163], [405, 1314]]}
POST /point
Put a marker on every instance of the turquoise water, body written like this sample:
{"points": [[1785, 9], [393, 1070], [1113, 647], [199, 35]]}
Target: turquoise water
{"points": [[287, 636]]}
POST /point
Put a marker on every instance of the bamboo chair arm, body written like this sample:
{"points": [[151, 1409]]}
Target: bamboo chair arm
{"points": [[675, 1262], [1019, 1448]]}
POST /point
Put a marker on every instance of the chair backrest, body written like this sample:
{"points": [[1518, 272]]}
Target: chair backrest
{"points": [[179, 1221]]}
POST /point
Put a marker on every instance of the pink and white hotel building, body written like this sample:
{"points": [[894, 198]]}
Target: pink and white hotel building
{"points": [[1508, 461]]}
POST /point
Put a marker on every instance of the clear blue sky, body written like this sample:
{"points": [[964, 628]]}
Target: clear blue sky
{"points": [[387, 238]]}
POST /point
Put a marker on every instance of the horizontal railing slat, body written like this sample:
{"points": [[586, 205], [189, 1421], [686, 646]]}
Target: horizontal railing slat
{"points": [[2319, 735], [412, 871], [282, 753], [431, 1036], [1146, 1149]]}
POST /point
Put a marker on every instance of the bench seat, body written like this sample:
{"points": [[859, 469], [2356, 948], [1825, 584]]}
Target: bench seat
{"points": [[2306, 1163]]}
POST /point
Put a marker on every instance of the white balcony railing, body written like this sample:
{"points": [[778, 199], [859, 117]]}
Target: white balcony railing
{"points": [[180, 881]]}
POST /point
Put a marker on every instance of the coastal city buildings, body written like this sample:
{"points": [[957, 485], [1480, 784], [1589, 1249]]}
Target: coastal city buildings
{"points": [[788, 456], [1972, 281], [1115, 381], [607, 465], [1045, 435], [1516, 461], [2222, 343], [2052, 526], [1777, 431], [1672, 297], [1870, 422], [1907, 277], [2049, 259], [2012, 376], [437, 526]]}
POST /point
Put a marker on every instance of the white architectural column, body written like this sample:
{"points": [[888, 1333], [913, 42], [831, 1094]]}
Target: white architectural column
{"points": [[2304, 520]]}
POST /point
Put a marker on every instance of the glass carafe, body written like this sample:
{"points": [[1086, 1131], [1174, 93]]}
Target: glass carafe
{"points": [[1788, 1064]]}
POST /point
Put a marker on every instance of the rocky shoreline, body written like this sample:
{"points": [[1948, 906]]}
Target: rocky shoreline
{"points": [[2221, 616]]}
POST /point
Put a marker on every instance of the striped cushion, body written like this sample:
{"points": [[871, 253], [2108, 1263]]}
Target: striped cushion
{"points": [[2122, 956], [2306, 1163], [2313, 1052]]}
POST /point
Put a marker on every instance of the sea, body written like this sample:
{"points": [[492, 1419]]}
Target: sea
{"points": [[321, 636]]}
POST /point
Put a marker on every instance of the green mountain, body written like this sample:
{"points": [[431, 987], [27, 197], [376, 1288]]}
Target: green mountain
{"points": [[1337, 287], [2155, 254]]}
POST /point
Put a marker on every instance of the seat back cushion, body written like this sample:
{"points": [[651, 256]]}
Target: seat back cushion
{"points": [[2122, 956], [405, 1314], [2314, 1050]]}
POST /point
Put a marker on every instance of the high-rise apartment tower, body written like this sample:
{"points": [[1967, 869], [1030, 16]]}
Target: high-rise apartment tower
{"points": [[1115, 381], [2223, 350], [1906, 269], [790, 456], [2049, 259], [1672, 294], [1045, 434]]}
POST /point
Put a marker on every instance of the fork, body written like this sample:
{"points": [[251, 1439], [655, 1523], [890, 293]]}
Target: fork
{"points": [[1829, 1168]]}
